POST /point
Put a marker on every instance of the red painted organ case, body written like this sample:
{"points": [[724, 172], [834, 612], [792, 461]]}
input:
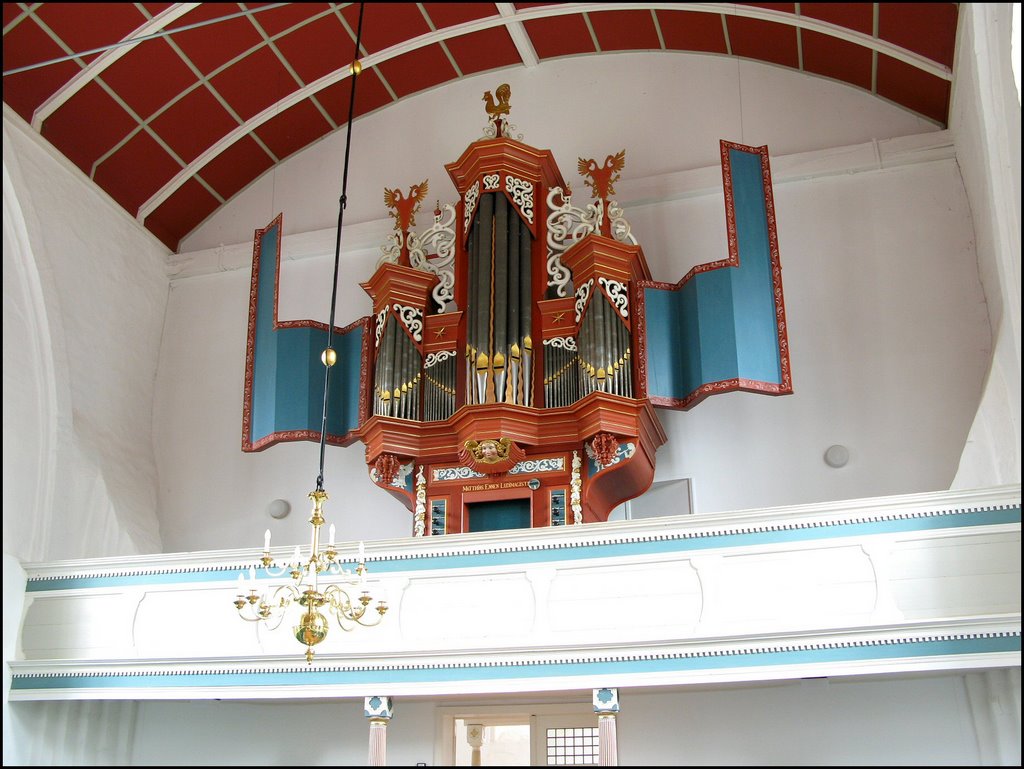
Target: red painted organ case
{"points": [[505, 388]]}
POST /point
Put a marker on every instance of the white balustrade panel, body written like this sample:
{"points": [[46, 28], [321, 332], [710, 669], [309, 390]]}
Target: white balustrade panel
{"points": [[900, 570]]}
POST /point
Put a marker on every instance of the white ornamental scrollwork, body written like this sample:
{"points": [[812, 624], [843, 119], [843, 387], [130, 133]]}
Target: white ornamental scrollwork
{"points": [[559, 276], [565, 227], [455, 473], [472, 197], [391, 250], [507, 130], [440, 237], [434, 358], [562, 343], [381, 316], [549, 465], [618, 293], [490, 131], [582, 294], [521, 191], [492, 182], [621, 230], [412, 318]]}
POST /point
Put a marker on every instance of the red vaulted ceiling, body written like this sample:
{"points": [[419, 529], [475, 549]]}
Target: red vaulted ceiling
{"points": [[174, 108]]}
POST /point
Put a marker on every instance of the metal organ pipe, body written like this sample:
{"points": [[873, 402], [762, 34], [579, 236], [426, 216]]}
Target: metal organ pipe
{"points": [[499, 346], [471, 288], [378, 375], [515, 366], [483, 296], [604, 349], [601, 333], [499, 301], [400, 365], [387, 366], [526, 307]]}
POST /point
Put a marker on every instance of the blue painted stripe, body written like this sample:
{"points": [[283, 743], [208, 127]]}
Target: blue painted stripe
{"points": [[315, 677], [680, 545]]}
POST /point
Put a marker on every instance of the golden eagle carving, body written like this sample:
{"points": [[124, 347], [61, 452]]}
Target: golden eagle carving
{"points": [[404, 209], [602, 179]]}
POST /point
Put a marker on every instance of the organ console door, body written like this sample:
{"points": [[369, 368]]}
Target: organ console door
{"points": [[505, 388]]}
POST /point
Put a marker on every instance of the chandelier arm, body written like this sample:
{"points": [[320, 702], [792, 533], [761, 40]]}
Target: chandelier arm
{"points": [[257, 608], [345, 609]]}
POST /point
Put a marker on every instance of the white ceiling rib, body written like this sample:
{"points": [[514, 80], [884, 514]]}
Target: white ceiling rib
{"points": [[513, 24]]}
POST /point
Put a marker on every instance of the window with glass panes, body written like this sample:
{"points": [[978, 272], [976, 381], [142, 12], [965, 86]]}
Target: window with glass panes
{"points": [[575, 746]]}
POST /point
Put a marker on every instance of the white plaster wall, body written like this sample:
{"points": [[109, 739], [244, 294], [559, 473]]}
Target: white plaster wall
{"points": [[263, 734], [84, 292], [15, 740], [31, 392], [922, 721], [916, 722], [85, 304], [985, 118]]}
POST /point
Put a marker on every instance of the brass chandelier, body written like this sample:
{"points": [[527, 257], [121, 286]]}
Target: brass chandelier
{"points": [[272, 606], [334, 600]]}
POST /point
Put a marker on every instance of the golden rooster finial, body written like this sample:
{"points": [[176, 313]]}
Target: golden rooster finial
{"points": [[496, 110]]}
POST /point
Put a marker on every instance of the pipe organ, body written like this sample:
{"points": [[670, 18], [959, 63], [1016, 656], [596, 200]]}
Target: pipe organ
{"points": [[504, 386]]}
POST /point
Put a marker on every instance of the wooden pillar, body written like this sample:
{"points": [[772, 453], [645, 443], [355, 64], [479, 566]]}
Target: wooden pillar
{"points": [[475, 738], [606, 705], [378, 710]]}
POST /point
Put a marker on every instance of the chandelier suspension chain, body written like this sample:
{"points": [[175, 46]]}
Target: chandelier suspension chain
{"points": [[317, 603], [329, 355]]}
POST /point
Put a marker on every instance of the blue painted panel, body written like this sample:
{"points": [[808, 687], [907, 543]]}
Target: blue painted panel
{"points": [[288, 374], [264, 386], [300, 380], [757, 342], [669, 346], [721, 324], [716, 313], [346, 377]]}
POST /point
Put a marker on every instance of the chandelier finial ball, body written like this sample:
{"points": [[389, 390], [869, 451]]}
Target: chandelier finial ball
{"points": [[312, 629], [329, 357]]}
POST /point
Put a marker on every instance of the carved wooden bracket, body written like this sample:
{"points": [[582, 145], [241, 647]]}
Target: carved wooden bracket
{"points": [[605, 446], [387, 466]]}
